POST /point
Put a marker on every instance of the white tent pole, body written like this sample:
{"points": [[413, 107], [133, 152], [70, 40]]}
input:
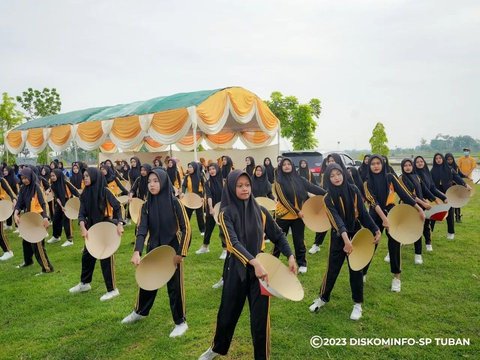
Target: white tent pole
{"points": [[75, 150], [195, 143], [278, 138]]}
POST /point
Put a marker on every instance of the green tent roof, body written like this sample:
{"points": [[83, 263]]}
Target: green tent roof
{"points": [[163, 103]]}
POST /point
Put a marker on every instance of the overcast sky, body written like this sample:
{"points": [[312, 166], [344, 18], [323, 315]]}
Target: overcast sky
{"points": [[413, 65]]}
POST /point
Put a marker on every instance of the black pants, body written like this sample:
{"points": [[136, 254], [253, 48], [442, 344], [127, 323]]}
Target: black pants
{"points": [[320, 237], [200, 220], [51, 209], [298, 235], [394, 249], [59, 220], [209, 226], [336, 258], [3, 239], [234, 293], [426, 235], [176, 294], [108, 269], [450, 222], [10, 221], [458, 214], [38, 249]]}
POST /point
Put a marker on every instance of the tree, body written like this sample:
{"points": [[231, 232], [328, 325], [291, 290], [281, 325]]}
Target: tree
{"points": [[40, 104], [9, 117], [379, 141], [297, 121]]}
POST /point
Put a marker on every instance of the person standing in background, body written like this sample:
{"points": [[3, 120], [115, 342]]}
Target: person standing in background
{"points": [[467, 164]]}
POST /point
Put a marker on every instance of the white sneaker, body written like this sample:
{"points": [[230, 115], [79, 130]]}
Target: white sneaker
{"points": [[179, 330], [132, 317], [110, 295], [316, 305], [81, 287], [429, 247], [314, 249], [396, 285], [387, 258], [364, 279], [356, 312], [208, 355], [302, 270], [202, 233], [267, 241], [6, 255], [218, 284], [450, 236], [67, 243], [203, 250], [223, 256], [53, 240], [418, 259], [16, 232]]}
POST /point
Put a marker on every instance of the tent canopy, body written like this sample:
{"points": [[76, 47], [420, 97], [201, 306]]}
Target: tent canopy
{"points": [[218, 116]]}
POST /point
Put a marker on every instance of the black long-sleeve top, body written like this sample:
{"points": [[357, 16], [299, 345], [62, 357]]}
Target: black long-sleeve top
{"points": [[285, 204], [35, 204], [362, 215], [394, 187], [113, 211], [5, 186], [229, 220], [180, 242]]}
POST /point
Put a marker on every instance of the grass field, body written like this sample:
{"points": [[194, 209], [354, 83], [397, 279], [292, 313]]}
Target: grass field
{"points": [[40, 319]]}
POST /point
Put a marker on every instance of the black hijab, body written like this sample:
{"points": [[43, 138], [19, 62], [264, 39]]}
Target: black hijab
{"points": [[227, 168], [423, 173], [134, 172], [291, 184], [76, 178], [338, 160], [343, 196], [441, 174], [125, 169], [30, 189], [143, 182], [196, 176], [245, 214], [111, 176], [58, 186], [454, 165], [304, 172], [269, 169], [250, 168], [378, 183], [172, 172], [11, 179], [363, 169], [390, 170], [357, 179], [162, 222], [94, 196], [411, 180], [215, 184], [260, 185]]}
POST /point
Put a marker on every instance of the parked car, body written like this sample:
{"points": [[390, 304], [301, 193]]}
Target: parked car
{"points": [[315, 159]]}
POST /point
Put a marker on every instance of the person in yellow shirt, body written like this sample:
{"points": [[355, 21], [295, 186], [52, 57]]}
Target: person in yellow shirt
{"points": [[467, 163]]}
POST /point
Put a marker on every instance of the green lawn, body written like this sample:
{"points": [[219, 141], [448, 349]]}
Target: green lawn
{"points": [[440, 299]]}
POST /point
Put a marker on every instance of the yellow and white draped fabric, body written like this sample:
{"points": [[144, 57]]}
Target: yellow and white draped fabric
{"points": [[221, 118]]}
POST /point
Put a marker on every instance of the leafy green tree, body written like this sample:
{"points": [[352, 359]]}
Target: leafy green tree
{"points": [[37, 104], [9, 118], [297, 121], [379, 140]]}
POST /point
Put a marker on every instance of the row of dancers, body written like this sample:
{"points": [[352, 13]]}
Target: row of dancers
{"points": [[244, 226]]}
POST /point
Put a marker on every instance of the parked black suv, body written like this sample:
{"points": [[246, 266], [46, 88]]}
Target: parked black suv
{"points": [[315, 158]]}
